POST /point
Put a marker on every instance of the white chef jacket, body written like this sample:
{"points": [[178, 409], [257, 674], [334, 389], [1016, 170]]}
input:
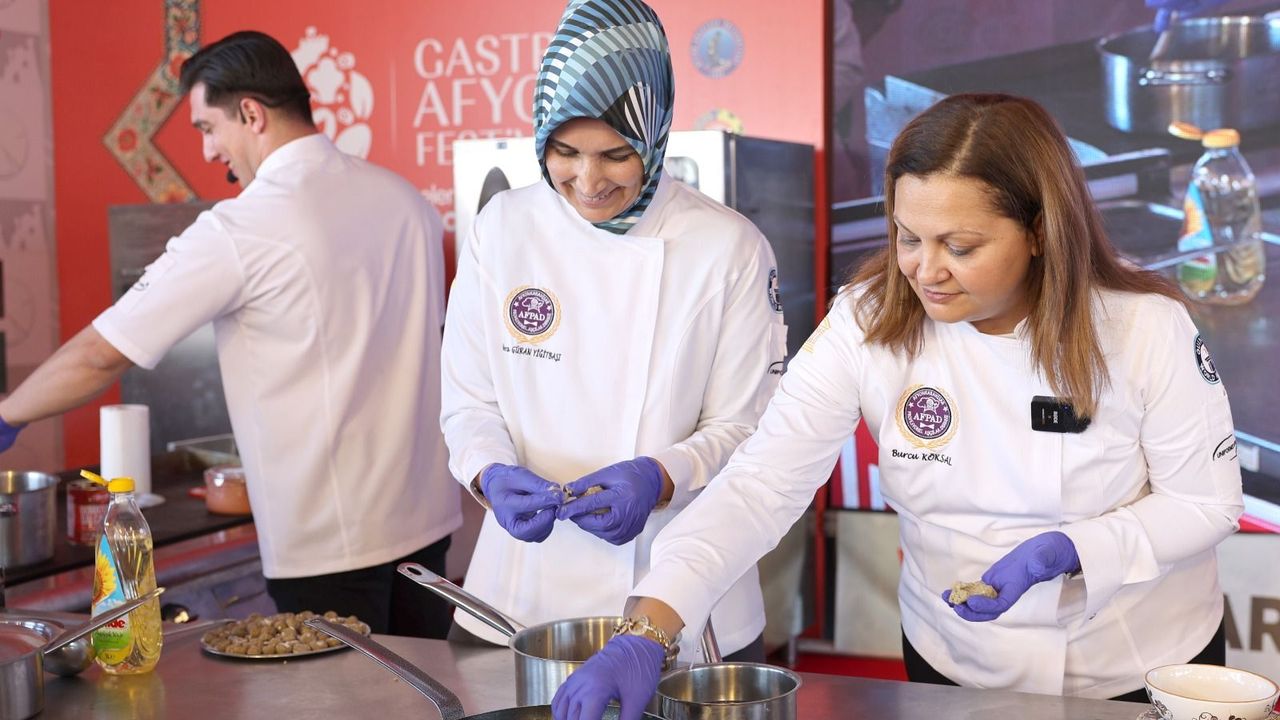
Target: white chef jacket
{"points": [[324, 284], [1145, 493], [569, 348]]}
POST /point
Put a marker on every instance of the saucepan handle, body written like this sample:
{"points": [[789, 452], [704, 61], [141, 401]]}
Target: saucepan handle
{"points": [[481, 610], [710, 646], [72, 634], [1151, 77], [446, 702]]}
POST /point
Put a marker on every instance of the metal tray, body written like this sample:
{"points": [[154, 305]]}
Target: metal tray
{"points": [[364, 630]]}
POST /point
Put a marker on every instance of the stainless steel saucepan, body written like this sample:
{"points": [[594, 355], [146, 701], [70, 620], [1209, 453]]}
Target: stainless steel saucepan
{"points": [[446, 701], [544, 654], [27, 645], [729, 691]]}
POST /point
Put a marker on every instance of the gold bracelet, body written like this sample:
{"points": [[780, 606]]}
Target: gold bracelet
{"points": [[477, 492], [642, 627]]}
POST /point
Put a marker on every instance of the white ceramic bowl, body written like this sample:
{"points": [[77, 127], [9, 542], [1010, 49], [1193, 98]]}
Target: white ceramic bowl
{"points": [[1210, 692]]}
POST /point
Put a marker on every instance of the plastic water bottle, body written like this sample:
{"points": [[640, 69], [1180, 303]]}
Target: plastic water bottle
{"points": [[1221, 208], [123, 570]]}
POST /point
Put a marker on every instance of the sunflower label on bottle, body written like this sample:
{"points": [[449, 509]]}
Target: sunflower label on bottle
{"points": [[112, 642], [1198, 274]]}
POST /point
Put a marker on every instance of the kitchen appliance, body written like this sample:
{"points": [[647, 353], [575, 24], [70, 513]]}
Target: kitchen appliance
{"points": [[184, 391], [768, 181], [1213, 72], [446, 702], [28, 522]]}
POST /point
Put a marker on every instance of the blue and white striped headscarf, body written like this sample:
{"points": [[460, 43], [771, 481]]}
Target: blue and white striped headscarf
{"points": [[609, 60]]}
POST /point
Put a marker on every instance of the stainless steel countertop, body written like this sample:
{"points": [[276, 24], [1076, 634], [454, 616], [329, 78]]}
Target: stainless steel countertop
{"points": [[190, 684]]}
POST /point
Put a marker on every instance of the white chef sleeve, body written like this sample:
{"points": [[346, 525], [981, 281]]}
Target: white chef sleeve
{"points": [[474, 429], [770, 480], [197, 279], [1196, 497], [748, 362]]}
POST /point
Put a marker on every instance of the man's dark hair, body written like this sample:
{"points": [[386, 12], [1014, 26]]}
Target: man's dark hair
{"points": [[248, 64]]}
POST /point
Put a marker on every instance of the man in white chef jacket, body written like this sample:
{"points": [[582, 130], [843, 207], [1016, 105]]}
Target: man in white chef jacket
{"points": [[324, 285]]}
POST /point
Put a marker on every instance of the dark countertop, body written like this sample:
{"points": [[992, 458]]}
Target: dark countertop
{"points": [[180, 517]]}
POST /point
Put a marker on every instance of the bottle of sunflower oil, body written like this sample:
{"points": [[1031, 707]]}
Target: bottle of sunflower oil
{"points": [[124, 569], [1221, 209]]}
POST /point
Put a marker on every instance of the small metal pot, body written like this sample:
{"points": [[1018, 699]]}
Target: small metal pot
{"points": [[445, 700], [22, 666], [71, 659], [729, 691], [28, 519], [1213, 72], [545, 654]]}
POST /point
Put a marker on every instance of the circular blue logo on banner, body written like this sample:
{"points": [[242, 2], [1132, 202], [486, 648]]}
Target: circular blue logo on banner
{"points": [[717, 48]]}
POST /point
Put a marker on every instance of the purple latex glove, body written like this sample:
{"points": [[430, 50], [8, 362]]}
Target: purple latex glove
{"points": [[618, 512], [8, 434], [1043, 557], [1166, 8], [626, 669], [524, 503]]}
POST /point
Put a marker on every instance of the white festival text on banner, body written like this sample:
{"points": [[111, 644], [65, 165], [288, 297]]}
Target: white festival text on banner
{"points": [[474, 88]]}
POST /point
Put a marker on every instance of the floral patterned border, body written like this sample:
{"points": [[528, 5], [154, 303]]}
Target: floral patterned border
{"points": [[129, 139]]}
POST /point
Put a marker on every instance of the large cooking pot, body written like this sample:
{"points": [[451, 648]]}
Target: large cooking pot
{"points": [[544, 654], [26, 644], [1213, 72], [446, 702], [28, 518]]}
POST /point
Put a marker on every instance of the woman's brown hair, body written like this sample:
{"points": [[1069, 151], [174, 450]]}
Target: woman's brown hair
{"points": [[1016, 149]]}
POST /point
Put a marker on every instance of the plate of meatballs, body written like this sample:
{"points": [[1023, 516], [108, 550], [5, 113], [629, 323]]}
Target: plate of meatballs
{"points": [[276, 637]]}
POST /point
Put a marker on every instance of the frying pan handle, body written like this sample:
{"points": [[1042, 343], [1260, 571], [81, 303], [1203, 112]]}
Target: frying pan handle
{"points": [[482, 611], [446, 702]]}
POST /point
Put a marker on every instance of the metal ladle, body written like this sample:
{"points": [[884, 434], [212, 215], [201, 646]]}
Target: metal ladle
{"points": [[62, 657]]}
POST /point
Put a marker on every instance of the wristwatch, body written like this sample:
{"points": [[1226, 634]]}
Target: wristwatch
{"points": [[645, 629]]}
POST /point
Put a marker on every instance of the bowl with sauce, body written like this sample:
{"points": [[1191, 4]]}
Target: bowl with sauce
{"points": [[225, 491]]}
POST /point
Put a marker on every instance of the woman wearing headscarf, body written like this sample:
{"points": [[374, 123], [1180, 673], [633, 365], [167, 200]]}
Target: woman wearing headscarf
{"points": [[612, 335]]}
